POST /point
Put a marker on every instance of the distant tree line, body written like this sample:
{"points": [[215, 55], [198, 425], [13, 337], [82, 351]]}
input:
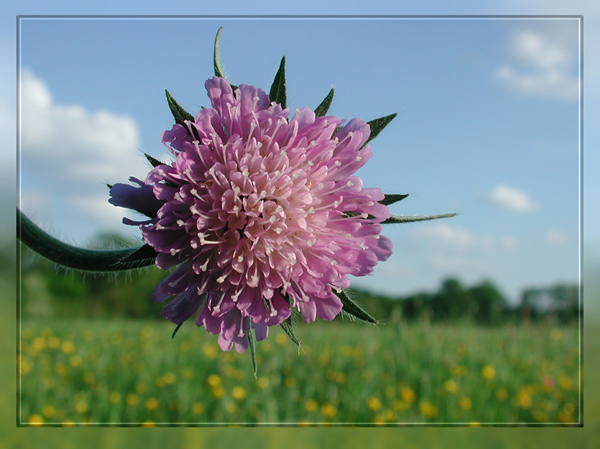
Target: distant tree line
{"points": [[482, 303], [47, 291]]}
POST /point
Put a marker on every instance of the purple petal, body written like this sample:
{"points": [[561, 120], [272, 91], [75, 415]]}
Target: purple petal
{"points": [[140, 199]]}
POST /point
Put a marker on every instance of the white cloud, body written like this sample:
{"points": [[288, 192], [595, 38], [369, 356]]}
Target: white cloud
{"points": [[556, 237], [539, 67], [510, 198], [448, 238], [70, 153], [509, 242]]}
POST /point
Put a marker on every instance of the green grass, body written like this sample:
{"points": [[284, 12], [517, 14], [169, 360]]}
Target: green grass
{"points": [[120, 371]]}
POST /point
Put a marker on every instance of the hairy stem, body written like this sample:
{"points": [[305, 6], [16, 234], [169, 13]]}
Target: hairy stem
{"points": [[71, 256]]}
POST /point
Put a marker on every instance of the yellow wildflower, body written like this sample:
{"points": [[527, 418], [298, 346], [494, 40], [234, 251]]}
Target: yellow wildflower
{"points": [[465, 403], [81, 406], [68, 347], [151, 404], [238, 393], [132, 399], [565, 382], [48, 411], [374, 403], [263, 382], [281, 339], [198, 408], [218, 391], [407, 394], [311, 405], [36, 420], [209, 351], [213, 380], [328, 410], [427, 409], [451, 386], [488, 372]]}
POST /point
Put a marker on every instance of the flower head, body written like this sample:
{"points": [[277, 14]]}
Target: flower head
{"points": [[262, 213]]}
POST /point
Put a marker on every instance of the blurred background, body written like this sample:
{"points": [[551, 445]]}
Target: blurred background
{"points": [[480, 314]]}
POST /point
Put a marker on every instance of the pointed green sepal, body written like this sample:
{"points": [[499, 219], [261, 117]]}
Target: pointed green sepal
{"points": [[153, 161], [392, 198], [252, 345], [179, 114], [288, 328], [409, 219], [325, 104], [352, 308], [143, 253], [175, 331], [277, 92], [109, 186], [378, 124], [219, 71]]}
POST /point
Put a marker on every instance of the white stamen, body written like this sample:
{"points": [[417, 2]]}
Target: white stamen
{"points": [[337, 163], [320, 186], [241, 332], [217, 308], [240, 258], [180, 222], [236, 295], [221, 279]]}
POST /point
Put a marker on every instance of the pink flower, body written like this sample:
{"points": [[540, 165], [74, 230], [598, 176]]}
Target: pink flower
{"points": [[261, 214]]}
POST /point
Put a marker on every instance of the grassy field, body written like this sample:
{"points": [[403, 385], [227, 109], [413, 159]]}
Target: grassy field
{"points": [[116, 372]]}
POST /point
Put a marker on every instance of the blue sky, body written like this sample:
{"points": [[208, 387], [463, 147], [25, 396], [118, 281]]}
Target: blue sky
{"points": [[473, 135], [487, 126]]}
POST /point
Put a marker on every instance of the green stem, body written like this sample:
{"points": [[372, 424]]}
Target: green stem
{"points": [[71, 256]]}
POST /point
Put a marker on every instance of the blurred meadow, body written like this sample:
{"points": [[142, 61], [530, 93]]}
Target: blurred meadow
{"points": [[131, 372], [78, 371], [92, 350]]}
